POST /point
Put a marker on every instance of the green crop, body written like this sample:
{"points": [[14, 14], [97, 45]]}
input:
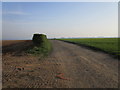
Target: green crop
{"points": [[109, 45]]}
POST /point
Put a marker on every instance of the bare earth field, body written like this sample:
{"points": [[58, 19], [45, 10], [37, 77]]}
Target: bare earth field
{"points": [[9, 42], [68, 66], [0, 43]]}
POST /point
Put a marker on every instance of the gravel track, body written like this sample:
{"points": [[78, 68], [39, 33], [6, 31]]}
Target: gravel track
{"points": [[79, 67]]}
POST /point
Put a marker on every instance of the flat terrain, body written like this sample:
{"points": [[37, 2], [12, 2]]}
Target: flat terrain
{"points": [[9, 42], [0, 43], [109, 45], [68, 66]]}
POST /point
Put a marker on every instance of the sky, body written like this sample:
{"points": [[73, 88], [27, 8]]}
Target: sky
{"points": [[20, 20]]}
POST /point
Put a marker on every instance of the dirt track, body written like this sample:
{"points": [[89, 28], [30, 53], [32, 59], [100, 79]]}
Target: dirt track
{"points": [[68, 66]]}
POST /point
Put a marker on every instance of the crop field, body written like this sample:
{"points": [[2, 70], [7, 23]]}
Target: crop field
{"points": [[109, 45]]}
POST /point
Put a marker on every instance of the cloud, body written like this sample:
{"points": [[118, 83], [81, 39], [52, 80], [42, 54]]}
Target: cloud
{"points": [[15, 13]]}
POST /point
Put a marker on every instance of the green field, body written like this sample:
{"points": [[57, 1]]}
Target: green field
{"points": [[109, 45]]}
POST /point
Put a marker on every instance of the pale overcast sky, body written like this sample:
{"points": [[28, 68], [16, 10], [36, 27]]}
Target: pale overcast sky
{"points": [[59, 19]]}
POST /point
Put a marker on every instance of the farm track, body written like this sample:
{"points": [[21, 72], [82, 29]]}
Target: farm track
{"points": [[79, 67]]}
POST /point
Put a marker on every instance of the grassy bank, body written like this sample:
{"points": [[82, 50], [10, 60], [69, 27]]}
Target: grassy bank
{"points": [[42, 46], [109, 45]]}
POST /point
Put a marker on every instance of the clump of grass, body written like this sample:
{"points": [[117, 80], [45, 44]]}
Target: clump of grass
{"points": [[42, 45]]}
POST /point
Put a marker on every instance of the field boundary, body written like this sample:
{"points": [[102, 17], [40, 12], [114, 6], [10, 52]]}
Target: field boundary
{"points": [[93, 48]]}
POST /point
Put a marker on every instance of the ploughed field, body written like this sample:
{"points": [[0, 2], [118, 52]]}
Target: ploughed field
{"points": [[9, 42], [67, 66]]}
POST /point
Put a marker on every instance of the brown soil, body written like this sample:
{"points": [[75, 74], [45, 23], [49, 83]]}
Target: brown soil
{"points": [[68, 66], [0, 43], [9, 42], [15, 46]]}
